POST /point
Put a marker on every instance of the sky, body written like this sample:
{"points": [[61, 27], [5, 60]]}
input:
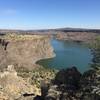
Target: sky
{"points": [[47, 14]]}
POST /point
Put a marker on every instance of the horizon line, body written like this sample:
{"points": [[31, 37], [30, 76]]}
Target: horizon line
{"points": [[49, 28]]}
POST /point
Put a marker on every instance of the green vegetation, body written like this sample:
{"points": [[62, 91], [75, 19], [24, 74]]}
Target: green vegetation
{"points": [[22, 71], [42, 74], [37, 75], [96, 53]]}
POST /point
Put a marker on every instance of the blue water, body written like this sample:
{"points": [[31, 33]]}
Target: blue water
{"points": [[68, 54]]}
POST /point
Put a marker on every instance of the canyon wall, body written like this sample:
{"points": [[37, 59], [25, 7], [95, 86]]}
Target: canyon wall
{"points": [[24, 52], [76, 36]]}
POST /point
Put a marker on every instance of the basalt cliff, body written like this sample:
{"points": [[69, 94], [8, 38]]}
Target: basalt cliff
{"points": [[76, 36], [24, 50]]}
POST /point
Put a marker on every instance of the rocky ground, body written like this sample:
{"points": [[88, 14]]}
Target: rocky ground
{"points": [[70, 84], [23, 84], [47, 84], [13, 86]]}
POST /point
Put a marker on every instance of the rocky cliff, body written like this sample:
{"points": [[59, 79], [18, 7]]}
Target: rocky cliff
{"points": [[76, 36], [24, 50]]}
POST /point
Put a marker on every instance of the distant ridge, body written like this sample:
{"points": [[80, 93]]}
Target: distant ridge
{"points": [[4, 31]]}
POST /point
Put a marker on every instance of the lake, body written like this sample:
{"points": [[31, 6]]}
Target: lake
{"points": [[68, 54]]}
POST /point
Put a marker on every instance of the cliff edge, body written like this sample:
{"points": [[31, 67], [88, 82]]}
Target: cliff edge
{"points": [[24, 50]]}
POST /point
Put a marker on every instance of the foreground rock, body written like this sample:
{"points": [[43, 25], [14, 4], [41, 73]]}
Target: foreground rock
{"points": [[24, 50], [70, 84], [13, 87]]}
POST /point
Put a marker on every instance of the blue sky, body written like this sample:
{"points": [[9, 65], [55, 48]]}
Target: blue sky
{"points": [[41, 14]]}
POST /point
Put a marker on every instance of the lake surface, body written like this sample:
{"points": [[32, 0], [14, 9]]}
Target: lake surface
{"points": [[68, 54]]}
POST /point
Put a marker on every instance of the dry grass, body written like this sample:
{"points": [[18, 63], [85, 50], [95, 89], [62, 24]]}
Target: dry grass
{"points": [[17, 37]]}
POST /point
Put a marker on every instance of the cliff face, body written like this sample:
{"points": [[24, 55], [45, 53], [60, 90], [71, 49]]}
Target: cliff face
{"points": [[24, 52], [77, 36]]}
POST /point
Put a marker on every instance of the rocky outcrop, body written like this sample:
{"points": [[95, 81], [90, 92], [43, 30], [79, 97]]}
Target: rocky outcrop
{"points": [[24, 50], [14, 87]]}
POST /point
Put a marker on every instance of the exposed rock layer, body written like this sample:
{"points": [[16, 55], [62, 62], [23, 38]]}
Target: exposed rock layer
{"points": [[76, 36], [24, 52]]}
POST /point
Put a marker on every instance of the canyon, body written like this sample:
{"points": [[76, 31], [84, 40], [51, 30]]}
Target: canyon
{"points": [[20, 79]]}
